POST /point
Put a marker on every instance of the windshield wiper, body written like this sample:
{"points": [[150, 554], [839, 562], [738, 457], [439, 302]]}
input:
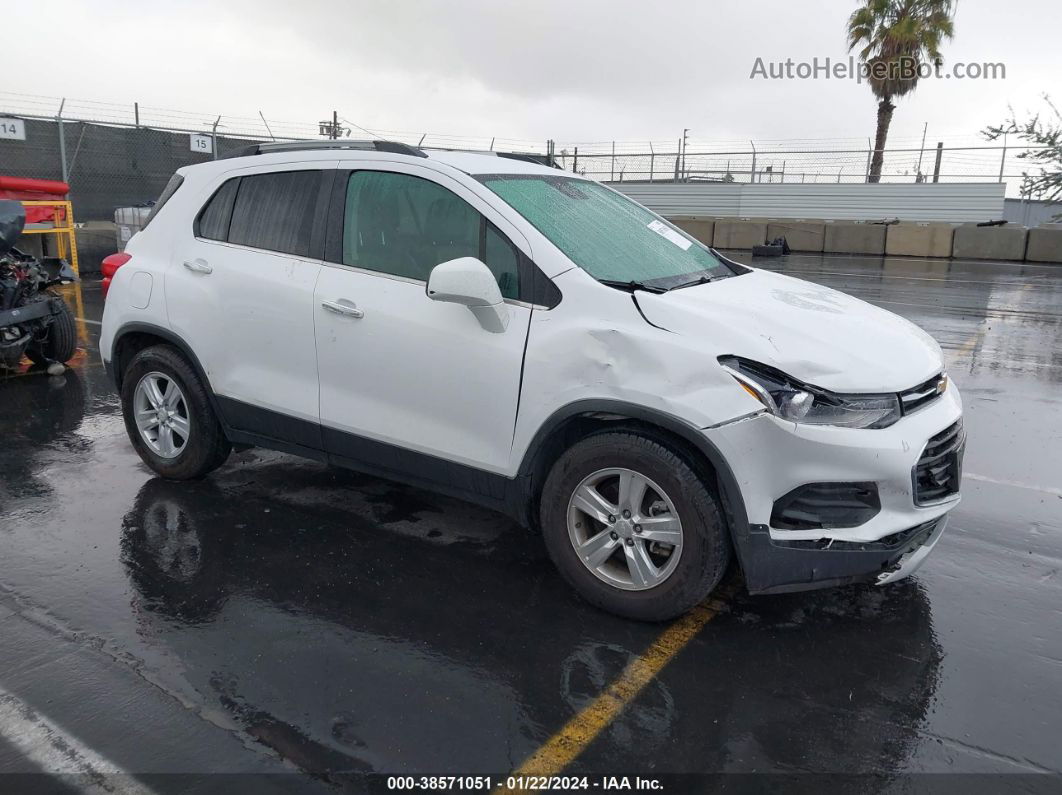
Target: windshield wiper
{"points": [[632, 286], [704, 278]]}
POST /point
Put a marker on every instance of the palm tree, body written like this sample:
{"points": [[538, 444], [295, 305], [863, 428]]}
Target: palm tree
{"points": [[898, 39]]}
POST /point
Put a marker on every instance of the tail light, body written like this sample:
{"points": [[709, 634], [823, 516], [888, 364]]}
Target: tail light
{"points": [[110, 266]]}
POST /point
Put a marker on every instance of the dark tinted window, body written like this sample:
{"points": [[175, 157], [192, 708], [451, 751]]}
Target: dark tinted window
{"points": [[213, 222], [503, 260], [167, 193], [276, 211], [405, 226]]}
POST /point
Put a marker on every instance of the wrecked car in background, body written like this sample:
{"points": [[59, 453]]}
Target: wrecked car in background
{"points": [[34, 321]]}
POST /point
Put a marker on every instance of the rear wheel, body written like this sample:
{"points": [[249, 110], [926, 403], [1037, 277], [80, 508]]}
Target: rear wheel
{"points": [[60, 344], [633, 527], [168, 415]]}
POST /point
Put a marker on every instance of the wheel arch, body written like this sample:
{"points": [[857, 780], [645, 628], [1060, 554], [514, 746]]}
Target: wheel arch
{"points": [[133, 337], [578, 420]]}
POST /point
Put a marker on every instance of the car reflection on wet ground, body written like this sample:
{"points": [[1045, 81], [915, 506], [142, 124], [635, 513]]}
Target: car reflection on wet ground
{"points": [[285, 616]]}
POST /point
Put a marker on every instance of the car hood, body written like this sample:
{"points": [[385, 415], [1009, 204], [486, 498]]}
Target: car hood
{"points": [[818, 335]]}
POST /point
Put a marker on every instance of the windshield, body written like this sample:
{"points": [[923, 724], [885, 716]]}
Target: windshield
{"points": [[605, 233]]}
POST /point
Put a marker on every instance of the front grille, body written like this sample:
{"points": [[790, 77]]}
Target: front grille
{"points": [[914, 398], [939, 469]]}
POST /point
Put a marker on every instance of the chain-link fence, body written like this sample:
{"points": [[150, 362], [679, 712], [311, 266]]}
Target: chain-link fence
{"points": [[779, 164], [116, 156]]}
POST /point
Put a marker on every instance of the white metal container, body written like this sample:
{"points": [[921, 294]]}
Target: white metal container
{"points": [[128, 221]]}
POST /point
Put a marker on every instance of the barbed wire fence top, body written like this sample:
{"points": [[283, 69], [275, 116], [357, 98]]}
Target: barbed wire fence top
{"points": [[122, 154]]}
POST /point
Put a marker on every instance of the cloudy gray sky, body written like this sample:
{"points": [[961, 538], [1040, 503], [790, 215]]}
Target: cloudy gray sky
{"points": [[581, 70]]}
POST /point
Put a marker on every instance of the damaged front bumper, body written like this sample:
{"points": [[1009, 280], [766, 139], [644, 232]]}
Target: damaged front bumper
{"points": [[771, 566], [770, 458], [28, 312]]}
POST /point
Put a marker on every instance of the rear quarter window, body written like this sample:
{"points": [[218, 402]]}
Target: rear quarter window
{"points": [[213, 220], [167, 193]]}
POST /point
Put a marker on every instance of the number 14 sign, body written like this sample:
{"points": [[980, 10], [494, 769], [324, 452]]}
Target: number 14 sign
{"points": [[13, 129]]}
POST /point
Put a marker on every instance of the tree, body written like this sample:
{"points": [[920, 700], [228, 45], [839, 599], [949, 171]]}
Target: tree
{"points": [[1043, 133], [899, 39]]}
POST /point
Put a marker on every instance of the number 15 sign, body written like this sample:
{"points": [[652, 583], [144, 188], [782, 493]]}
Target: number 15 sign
{"points": [[201, 143]]}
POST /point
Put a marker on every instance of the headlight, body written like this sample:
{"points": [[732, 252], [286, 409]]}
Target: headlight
{"points": [[789, 399]]}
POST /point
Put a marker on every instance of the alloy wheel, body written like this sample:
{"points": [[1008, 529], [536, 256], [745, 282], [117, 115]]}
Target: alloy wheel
{"points": [[161, 415], [625, 529]]}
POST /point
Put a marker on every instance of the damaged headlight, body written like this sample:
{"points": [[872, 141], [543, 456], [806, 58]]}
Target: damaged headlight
{"points": [[789, 399]]}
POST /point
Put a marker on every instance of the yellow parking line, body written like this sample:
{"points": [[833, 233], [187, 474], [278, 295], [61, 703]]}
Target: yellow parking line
{"points": [[568, 743], [970, 344]]}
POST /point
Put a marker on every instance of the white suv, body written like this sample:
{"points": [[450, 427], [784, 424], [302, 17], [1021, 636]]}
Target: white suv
{"points": [[502, 331]]}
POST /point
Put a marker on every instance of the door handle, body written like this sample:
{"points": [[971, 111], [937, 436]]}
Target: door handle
{"points": [[343, 308], [199, 266]]}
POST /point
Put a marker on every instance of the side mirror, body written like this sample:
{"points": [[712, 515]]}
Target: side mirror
{"points": [[468, 281]]}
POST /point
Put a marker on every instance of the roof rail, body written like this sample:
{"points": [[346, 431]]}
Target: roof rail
{"points": [[527, 157], [394, 147]]}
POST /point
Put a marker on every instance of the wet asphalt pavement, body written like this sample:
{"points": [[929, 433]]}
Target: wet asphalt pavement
{"points": [[284, 617]]}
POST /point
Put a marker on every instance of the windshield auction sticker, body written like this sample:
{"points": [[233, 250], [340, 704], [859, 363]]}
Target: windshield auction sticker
{"points": [[667, 232]]}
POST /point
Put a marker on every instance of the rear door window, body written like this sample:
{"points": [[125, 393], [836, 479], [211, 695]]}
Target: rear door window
{"points": [[276, 211]]}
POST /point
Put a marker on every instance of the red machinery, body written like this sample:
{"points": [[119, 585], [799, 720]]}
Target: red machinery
{"points": [[26, 189]]}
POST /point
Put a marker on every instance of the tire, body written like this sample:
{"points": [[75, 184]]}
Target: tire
{"points": [[60, 344], [205, 446], [703, 552]]}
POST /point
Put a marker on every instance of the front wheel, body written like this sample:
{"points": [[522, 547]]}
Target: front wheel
{"points": [[632, 527], [60, 342], [168, 415]]}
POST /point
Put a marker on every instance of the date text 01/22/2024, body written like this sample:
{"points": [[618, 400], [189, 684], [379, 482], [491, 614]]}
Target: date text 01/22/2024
{"points": [[523, 783]]}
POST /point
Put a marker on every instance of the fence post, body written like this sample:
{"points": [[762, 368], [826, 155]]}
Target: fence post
{"points": [[652, 157], [136, 112], [922, 151], [575, 161], [936, 166], [214, 136], [612, 173], [273, 137], [1003, 159], [678, 156], [62, 140], [752, 176], [685, 176], [870, 152]]}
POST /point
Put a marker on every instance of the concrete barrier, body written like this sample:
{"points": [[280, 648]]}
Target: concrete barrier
{"points": [[846, 237], [800, 235], [739, 234], [989, 242], [919, 240], [95, 240], [701, 228], [1045, 245]]}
